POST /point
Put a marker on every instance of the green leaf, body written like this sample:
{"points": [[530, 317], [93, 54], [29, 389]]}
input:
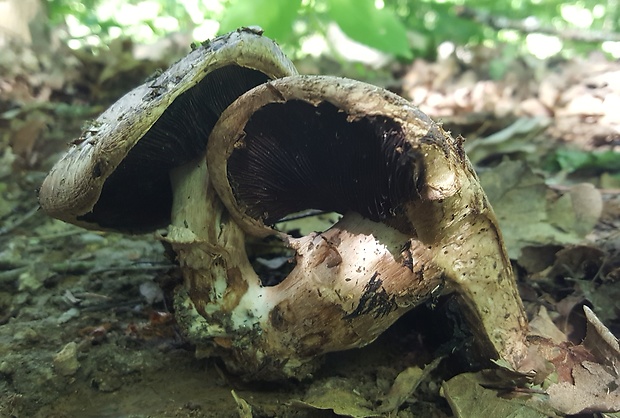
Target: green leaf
{"points": [[468, 398], [377, 28], [519, 198], [276, 17], [571, 160]]}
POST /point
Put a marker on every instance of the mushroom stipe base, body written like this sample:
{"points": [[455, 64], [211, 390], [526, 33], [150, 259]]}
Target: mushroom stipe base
{"points": [[348, 285]]}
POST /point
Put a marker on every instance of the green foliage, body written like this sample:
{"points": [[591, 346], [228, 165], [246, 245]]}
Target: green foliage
{"points": [[571, 160], [378, 28], [359, 19], [438, 22], [403, 28], [276, 17], [83, 10]]}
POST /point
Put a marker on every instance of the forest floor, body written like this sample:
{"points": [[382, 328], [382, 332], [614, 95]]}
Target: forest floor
{"points": [[86, 329]]}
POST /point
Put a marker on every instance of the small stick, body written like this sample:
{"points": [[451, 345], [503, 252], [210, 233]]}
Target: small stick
{"points": [[19, 221]]}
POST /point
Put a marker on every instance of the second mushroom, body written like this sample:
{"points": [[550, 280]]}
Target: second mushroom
{"points": [[415, 225]]}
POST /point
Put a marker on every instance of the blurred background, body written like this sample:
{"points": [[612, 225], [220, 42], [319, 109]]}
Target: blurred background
{"points": [[482, 58], [401, 29]]}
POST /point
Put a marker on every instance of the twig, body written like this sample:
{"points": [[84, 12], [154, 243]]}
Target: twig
{"points": [[533, 25], [19, 221], [10, 270], [112, 305], [150, 267], [567, 187], [59, 235]]}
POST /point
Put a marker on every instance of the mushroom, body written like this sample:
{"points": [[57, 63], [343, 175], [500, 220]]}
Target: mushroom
{"points": [[415, 225], [116, 175], [220, 154]]}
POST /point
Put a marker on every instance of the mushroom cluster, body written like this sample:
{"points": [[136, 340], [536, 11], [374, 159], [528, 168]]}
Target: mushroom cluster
{"points": [[230, 141]]}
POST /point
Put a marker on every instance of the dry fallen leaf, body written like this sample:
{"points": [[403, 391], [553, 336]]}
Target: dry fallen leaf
{"points": [[336, 395], [405, 385], [596, 389], [243, 408], [587, 204], [596, 386], [542, 325], [519, 198]]}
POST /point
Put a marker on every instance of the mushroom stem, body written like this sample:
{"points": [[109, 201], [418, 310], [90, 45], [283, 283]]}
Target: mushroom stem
{"points": [[210, 248], [350, 283], [462, 232]]}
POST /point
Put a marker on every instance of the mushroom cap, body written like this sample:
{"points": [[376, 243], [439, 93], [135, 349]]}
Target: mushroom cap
{"points": [[327, 143], [115, 176]]}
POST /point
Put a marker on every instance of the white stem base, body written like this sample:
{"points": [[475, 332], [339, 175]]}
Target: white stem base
{"points": [[350, 283]]}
